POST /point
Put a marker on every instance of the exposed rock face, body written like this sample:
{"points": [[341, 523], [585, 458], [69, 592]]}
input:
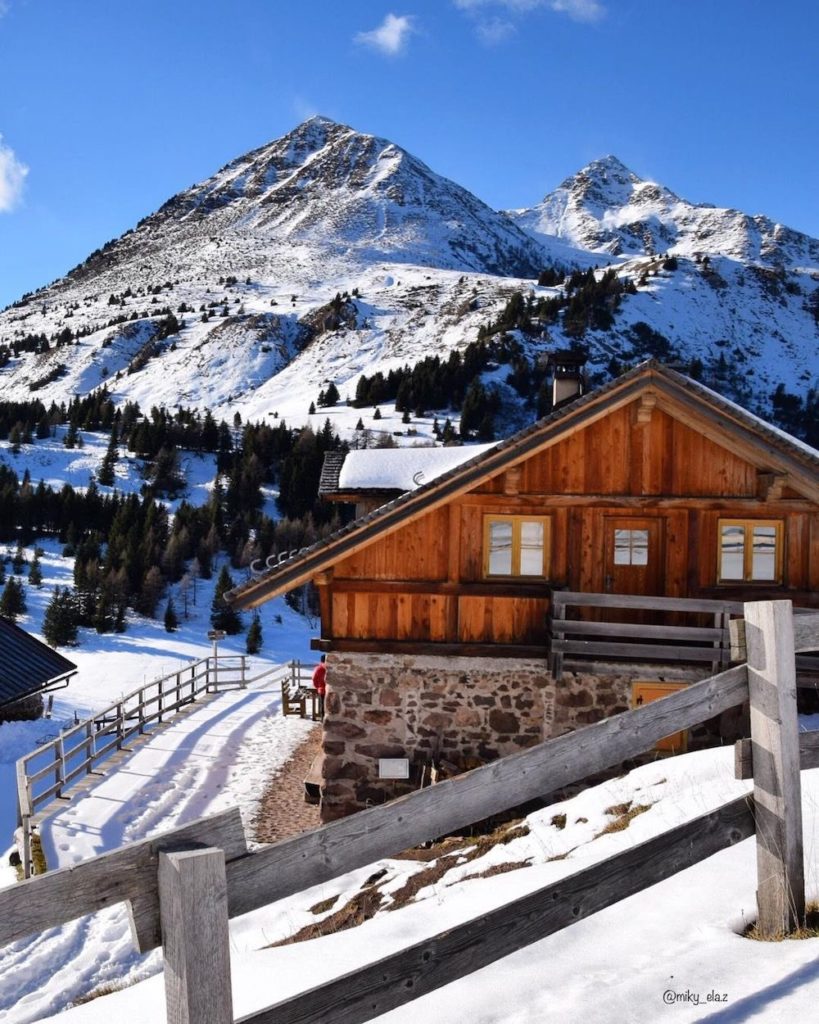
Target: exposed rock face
{"points": [[464, 710]]}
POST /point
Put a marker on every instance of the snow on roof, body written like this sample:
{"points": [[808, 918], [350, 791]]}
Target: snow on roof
{"points": [[402, 469]]}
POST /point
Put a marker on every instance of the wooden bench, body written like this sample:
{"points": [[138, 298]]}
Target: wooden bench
{"points": [[295, 698]]}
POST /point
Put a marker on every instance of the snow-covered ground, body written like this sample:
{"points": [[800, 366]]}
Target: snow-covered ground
{"points": [[657, 956]]}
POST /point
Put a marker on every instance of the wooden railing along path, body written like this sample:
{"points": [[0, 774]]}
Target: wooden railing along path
{"points": [[182, 887], [47, 773]]}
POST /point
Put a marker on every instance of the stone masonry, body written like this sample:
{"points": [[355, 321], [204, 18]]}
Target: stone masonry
{"points": [[465, 711]]}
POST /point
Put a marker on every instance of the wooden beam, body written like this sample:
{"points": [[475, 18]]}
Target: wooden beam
{"points": [[645, 652], [777, 787], [478, 589], [645, 407], [294, 864], [511, 480], [562, 598], [351, 645], [744, 758], [124, 875], [410, 973], [805, 635], [739, 505], [195, 937], [769, 486]]}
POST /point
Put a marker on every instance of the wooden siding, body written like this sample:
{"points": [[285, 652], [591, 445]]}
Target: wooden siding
{"points": [[618, 455], [425, 582]]}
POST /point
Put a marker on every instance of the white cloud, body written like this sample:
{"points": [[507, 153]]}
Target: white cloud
{"points": [[390, 37], [494, 30], [4, 7], [12, 176], [578, 10]]}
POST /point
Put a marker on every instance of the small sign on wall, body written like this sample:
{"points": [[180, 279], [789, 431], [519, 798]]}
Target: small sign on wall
{"points": [[393, 767]]}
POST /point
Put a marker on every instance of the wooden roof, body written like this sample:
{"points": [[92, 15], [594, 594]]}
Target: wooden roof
{"points": [[722, 421], [26, 664]]}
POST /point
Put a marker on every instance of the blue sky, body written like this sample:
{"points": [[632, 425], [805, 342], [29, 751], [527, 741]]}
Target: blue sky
{"points": [[107, 108]]}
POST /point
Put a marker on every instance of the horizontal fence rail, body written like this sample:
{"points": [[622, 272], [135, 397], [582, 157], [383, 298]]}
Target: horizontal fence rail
{"points": [[689, 642]]}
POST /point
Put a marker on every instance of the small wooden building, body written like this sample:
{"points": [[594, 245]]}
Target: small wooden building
{"points": [[504, 599], [28, 668]]}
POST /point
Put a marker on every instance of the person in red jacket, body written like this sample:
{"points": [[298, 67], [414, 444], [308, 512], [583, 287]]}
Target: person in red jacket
{"points": [[320, 683]]}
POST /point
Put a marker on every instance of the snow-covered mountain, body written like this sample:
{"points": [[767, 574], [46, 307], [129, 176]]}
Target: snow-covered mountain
{"points": [[325, 187], [608, 209], [250, 262]]}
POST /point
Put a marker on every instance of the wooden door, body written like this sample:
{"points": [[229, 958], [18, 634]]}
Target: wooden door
{"points": [[644, 693], [633, 560]]}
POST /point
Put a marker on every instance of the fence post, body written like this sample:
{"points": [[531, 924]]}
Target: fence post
{"points": [[119, 726], [160, 691], [195, 939], [89, 746], [141, 711], [777, 784], [59, 766], [243, 684]]}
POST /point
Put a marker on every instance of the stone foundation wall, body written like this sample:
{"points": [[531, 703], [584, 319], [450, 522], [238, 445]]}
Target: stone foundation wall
{"points": [[462, 710]]}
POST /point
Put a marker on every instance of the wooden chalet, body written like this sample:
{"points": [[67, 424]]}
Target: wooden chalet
{"points": [[540, 583]]}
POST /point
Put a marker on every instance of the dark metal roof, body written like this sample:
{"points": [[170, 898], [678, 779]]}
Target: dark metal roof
{"points": [[26, 664], [649, 373], [330, 472]]}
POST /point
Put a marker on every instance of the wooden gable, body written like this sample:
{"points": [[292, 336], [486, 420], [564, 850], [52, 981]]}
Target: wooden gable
{"points": [[652, 447]]}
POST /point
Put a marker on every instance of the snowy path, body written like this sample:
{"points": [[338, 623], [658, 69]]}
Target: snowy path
{"points": [[219, 755]]}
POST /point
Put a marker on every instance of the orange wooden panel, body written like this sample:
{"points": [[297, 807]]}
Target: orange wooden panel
{"points": [[644, 693]]}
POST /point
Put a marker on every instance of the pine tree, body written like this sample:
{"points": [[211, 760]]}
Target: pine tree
{"points": [[106, 473], [224, 616], [254, 636], [19, 560], [12, 600], [59, 622], [171, 618], [35, 572]]}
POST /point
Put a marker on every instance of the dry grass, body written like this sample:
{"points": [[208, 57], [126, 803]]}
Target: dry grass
{"points": [[498, 869], [101, 990], [443, 856], [323, 905], [809, 930], [623, 815], [559, 821], [364, 905]]}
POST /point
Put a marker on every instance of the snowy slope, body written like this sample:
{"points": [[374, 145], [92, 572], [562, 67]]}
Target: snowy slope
{"points": [[250, 259]]}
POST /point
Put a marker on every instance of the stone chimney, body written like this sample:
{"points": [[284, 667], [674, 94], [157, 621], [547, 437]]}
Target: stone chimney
{"points": [[567, 375]]}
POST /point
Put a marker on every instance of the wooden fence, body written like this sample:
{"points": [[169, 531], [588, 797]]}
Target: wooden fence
{"points": [[46, 774], [182, 887], [685, 641]]}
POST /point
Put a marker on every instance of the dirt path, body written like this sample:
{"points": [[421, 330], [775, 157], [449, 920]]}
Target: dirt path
{"points": [[282, 811]]}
